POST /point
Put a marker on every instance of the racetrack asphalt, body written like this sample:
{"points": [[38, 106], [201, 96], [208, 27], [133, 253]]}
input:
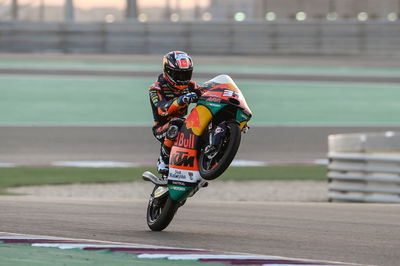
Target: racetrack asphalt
{"points": [[40, 145], [353, 233]]}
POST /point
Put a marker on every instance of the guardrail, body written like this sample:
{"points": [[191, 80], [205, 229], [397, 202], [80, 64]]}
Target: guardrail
{"points": [[364, 167], [257, 38]]}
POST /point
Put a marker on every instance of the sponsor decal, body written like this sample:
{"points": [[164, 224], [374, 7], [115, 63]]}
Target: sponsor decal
{"points": [[180, 177], [213, 99], [177, 174], [219, 130], [199, 118], [229, 93], [213, 105], [177, 183], [182, 60], [185, 142], [183, 158], [154, 97], [177, 188]]}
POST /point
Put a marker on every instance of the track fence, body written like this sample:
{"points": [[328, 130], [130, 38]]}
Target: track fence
{"points": [[364, 167]]}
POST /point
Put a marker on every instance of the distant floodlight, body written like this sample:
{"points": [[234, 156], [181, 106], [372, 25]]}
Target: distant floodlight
{"points": [[332, 16], [270, 16], [300, 16], [362, 16], [207, 16], [392, 16], [143, 17], [110, 18], [240, 16], [175, 17]]}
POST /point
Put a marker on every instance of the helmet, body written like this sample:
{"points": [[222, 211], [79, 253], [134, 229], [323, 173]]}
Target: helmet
{"points": [[177, 69]]}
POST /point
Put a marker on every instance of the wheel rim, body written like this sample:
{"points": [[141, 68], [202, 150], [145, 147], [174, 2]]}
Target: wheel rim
{"points": [[155, 209], [210, 163]]}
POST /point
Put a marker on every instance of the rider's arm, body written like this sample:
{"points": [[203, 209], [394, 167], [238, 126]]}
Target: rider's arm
{"points": [[195, 87], [164, 107]]}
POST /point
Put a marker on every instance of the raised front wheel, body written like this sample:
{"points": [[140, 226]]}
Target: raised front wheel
{"points": [[213, 163]]}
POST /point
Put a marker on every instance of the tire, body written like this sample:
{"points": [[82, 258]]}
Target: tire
{"points": [[160, 211], [229, 153]]}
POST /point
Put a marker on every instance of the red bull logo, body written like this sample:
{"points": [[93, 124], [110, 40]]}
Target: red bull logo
{"points": [[198, 119]]}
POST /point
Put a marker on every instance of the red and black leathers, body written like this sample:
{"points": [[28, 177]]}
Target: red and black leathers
{"points": [[166, 107]]}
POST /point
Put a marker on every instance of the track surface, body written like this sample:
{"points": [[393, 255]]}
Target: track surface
{"points": [[41, 145], [359, 233], [366, 234]]}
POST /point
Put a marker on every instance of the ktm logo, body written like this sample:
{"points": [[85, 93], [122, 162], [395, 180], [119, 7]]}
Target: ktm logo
{"points": [[181, 158]]}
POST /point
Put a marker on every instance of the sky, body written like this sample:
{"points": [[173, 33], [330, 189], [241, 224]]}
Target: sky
{"points": [[87, 4]]}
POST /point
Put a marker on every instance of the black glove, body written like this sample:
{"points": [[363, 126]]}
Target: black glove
{"points": [[187, 98]]}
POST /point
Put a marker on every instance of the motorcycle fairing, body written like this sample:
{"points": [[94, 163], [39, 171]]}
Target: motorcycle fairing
{"points": [[184, 172], [222, 89]]}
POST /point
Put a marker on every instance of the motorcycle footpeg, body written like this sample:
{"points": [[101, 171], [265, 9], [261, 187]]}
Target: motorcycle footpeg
{"points": [[149, 176]]}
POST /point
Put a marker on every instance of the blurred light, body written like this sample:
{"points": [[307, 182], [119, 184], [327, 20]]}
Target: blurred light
{"points": [[110, 18], [270, 16], [174, 17], [207, 16], [332, 16], [240, 16], [363, 16], [143, 17], [392, 16], [300, 16]]}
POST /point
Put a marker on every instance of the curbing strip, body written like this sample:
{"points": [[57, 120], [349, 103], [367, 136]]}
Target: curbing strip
{"points": [[160, 252]]}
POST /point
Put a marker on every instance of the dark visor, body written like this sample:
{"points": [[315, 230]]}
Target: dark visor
{"points": [[180, 75]]}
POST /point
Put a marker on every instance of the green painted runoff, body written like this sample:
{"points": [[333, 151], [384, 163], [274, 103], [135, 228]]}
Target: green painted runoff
{"points": [[36, 100], [19, 255]]}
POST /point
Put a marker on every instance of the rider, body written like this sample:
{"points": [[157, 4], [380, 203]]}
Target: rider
{"points": [[170, 96]]}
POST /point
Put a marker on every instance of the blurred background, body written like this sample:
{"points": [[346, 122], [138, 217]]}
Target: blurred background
{"points": [[74, 74], [206, 10], [260, 27]]}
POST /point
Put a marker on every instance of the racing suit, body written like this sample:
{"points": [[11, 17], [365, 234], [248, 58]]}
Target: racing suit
{"points": [[169, 107]]}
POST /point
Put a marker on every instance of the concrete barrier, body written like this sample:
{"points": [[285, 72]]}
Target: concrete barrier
{"points": [[364, 167], [225, 38]]}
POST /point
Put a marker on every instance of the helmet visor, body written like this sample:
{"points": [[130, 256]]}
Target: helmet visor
{"points": [[181, 76]]}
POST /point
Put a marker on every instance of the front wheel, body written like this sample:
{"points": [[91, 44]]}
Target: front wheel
{"points": [[211, 167], [160, 211]]}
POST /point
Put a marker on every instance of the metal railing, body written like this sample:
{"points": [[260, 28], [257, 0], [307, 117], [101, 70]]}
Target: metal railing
{"points": [[257, 38], [364, 167]]}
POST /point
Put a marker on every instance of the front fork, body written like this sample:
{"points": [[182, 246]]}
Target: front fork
{"points": [[215, 140]]}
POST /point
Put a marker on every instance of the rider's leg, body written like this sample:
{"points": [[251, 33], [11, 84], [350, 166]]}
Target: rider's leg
{"points": [[167, 134]]}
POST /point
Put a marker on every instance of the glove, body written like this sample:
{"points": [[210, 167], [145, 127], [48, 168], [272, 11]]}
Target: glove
{"points": [[187, 98]]}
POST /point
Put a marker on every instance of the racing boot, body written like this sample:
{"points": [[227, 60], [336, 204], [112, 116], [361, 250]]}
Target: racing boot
{"points": [[163, 160]]}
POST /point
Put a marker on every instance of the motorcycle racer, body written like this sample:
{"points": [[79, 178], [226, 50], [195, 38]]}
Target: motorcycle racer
{"points": [[170, 96]]}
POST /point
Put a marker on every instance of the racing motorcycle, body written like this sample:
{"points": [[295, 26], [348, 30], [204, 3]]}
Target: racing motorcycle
{"points": [[204, 148]]}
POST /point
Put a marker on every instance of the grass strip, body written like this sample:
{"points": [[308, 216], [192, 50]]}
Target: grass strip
{"points": [[29, 176]]}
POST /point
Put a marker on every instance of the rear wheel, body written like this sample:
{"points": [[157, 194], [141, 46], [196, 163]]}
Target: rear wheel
{"points": [[160, 211], [213, 165]]}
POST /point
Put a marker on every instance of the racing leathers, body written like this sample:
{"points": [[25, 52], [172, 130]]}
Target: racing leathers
{"points": [[169, 106]]}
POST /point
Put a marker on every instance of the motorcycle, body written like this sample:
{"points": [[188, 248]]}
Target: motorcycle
{"points": [[204, 148]]}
